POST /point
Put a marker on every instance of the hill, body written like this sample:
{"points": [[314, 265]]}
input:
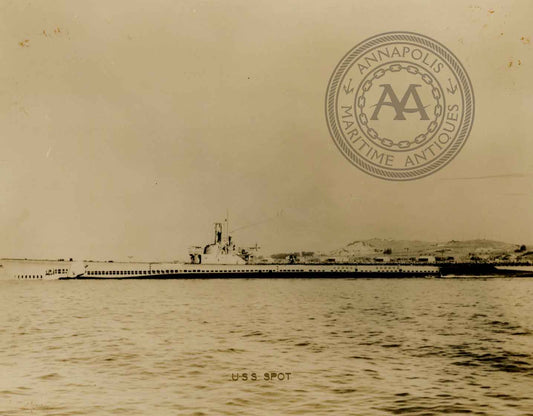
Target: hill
{"points": [[408, 248]]}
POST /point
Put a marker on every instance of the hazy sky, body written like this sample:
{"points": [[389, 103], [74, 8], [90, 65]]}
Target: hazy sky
{"points": [[128, 127]]}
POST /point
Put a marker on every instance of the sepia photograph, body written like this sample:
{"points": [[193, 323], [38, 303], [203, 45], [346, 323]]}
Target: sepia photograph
{"points": [[266, 208]]}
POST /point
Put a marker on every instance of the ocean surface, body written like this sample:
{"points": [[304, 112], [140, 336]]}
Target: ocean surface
{"points": [[328, 347]]}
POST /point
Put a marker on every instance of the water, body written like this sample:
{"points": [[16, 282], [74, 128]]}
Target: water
{"points": [[352, 347]]}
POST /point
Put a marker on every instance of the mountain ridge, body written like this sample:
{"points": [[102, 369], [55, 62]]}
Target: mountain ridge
{"points": [[408, 248]]}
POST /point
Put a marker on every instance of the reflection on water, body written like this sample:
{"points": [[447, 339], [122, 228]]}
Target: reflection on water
{"points": [[352, 347]]}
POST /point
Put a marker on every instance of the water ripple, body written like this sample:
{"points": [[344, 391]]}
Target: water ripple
{"points": [[307, 347]]}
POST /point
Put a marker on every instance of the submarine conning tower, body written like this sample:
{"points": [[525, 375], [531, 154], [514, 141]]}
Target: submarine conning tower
{"points": [[221, 251], [219, 231]]}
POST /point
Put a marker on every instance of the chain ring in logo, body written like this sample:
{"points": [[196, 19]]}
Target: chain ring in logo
{"points": [[399, 106]]}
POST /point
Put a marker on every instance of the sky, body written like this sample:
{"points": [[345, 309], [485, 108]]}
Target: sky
{"points": [[127, 128]]}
